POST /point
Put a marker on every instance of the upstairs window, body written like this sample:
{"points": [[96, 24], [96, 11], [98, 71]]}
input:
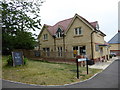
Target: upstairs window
{"points": [[59, 33], [78, 31], [97, 27], [45, 37]]}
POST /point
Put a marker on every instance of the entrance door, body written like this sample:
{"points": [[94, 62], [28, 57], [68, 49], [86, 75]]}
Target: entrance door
{"points": [[101, 51], [81, 50]]}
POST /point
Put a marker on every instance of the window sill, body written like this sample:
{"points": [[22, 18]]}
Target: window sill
{"points": [[78, 36], [45, 40], [59, 38]]}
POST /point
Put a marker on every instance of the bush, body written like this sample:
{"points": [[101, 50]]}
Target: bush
{"points": [[10, 61], [110, 55], [25, 61]]}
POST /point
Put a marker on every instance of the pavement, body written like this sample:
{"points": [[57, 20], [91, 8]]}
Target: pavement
{"points": [[108, 78], [103, 65]]}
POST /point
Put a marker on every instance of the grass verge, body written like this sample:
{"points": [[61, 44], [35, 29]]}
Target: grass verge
{"points": [[44, 73]]}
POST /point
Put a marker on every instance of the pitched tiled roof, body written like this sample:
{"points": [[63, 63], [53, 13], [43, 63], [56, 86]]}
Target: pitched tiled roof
{"points": [[94, 23], [64, 25], [115, 39]]}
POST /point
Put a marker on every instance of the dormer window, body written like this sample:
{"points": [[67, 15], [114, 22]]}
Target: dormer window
{"points": [[97, 26], [59, 33], [78, 31]]}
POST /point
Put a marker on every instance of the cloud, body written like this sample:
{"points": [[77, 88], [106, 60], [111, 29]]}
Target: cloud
{"points": [[119, 15], [104, 11]]}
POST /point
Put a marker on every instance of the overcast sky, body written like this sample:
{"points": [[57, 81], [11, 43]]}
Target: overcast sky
{"points": [[103, 11]]}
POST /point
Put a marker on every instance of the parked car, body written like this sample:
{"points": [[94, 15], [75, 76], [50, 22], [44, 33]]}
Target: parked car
{"points": [[113, 54], [91, 62]]}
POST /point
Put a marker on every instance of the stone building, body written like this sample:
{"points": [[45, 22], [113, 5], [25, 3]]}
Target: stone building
{"points": [[73, 36], [115, 44]]}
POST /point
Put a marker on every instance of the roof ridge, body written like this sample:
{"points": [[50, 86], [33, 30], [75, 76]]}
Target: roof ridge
{"points": [[64, 24], [86, 21], [111, 40], [62, 21], [47, 25], [94, 22]]}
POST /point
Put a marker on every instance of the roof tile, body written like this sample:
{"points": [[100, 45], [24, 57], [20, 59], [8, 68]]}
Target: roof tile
{"points": [[115, 39], [64, 24]]}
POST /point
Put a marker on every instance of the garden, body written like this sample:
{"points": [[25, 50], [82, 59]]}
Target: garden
{"points": [[44, 73]]}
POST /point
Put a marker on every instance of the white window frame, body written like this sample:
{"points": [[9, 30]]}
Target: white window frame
{"points": [[60, 51], [45, 37], [78, 31], [78, 50], [58, 35], [47, 52]]}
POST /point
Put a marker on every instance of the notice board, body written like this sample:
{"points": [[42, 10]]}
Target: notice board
{"points": [[17, 58]]}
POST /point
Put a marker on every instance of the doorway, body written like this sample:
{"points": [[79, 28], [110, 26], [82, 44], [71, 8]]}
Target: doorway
{"points": [[81, 50]]}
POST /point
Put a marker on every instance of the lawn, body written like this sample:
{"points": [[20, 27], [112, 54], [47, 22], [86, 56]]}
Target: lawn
{"points": [[44, 73]]}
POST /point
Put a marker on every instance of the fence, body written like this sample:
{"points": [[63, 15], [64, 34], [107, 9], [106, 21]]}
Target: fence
{"points": [[49, 56], [65, 57]]}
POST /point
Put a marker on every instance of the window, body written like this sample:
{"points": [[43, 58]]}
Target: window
{"points": [[45, 37], [75, 51], [78, 31], [97, 27], [46, 51], [80, 50], [59, 51], [59, 33], [97, 47], [101, 51]]}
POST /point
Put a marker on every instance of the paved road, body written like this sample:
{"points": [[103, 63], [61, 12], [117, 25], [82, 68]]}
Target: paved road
{"points": [[106, 79]]}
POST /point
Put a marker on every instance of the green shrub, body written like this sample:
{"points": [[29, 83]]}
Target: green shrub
{"points": [[25, 61], [110, 56], [10, 61]]}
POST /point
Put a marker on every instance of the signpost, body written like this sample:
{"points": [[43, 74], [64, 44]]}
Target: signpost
{"points": [[79, 60], [77, 69], [17, 58], [87, 64]]}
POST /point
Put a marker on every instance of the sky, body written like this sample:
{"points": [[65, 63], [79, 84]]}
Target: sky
{"points": [[103, 11]]}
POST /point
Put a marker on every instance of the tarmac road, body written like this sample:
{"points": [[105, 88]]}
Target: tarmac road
{"points": [[106, 79]]}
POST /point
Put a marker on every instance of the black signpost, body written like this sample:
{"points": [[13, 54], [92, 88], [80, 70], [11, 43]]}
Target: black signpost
{"points": [[87, 64], [17, 58], [77, 69], [78, 60]]}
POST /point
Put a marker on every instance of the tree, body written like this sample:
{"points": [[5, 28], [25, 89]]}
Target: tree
{"points": [[18, 18], [24, 40]]}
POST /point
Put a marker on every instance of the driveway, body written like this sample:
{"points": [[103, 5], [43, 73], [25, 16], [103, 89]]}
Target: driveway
{"points": [[108, 78]]}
